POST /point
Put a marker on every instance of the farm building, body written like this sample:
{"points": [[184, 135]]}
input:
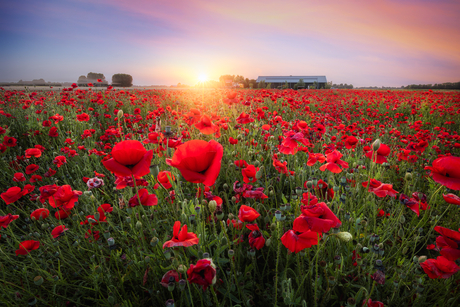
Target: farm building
{"points": [[278, 81]]}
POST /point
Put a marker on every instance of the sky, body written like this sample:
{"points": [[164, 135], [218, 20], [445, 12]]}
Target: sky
{"points": [[364, 43]]}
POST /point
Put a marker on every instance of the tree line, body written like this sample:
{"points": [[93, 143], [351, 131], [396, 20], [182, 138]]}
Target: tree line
{"points": [[440, 86]]}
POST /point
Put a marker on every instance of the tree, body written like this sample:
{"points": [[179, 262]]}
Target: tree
{"points": [[299, 85], [95, 76], [286, 85], [328, 85], [262, 84], [122, 80]]}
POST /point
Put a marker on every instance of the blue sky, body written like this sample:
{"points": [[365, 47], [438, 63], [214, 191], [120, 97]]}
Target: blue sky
{"points": [[366, 43]]}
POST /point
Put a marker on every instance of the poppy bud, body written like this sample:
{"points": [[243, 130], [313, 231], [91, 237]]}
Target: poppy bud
{"points": [[212, 206], [351, 302], [231, 252], [226, 187], [376, 145], [268, 242], [272, 226], [220, 215], [338, 259], [182, 284], [128, 219], [111, 299], [171, 286], [331, 280], [38, 280], [120, 114], [309, 184], [167, 254], [408, 176], [154, 170], [138, 225], [204, 202], [111, 241], [422, 259], [154, 241], [182, 268], [224, 241], [402, 220], [260, 172], [98, 269], [344, 236]]}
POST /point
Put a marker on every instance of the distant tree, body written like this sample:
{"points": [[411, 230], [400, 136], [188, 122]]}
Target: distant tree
{"points": [[262, 84], [315, 85], [122, 80], [328, 85], [286, 85], [95, 76], [269, 86]]}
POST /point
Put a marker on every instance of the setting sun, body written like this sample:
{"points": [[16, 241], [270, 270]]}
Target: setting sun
{"points": [[202, 78]]}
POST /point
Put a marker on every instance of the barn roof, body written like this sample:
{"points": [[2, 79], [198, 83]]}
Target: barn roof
{"points": [[292, 79]]}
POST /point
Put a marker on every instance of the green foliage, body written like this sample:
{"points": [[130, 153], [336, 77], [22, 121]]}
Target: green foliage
{"points": [[122, 80]]}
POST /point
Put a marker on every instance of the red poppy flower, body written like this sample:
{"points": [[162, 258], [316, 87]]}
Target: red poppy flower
{"points": [[32, 168], [309, 199], [206, 126], [40, 213], [198, 161], [94, 234], [83, 117], [249, 173], [333, 162], [19, 177], [58, 231], [59, 161], [53, 132], [380, 189], [47, 191], [104, 208], [7, 219], [62, 214], [236, 224], [350, 142], [315, 157], [64, 198], [256, 239], [129, 158], [448, 242], [446, 171], [9, 141], [247, 214], [145, 198], [371, 303], [33, 152], [298, 241], [11, 195], [181, 237], [164, 178], [27, 246], [452, 199], [232, 141], [35, 178], [316, 217], [379, 156], [170, 276], [244, 119], [203, 273], [440, 267]]}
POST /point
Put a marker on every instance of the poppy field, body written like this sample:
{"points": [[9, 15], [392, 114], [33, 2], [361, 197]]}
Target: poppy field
{"points": [[129, 197]]}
